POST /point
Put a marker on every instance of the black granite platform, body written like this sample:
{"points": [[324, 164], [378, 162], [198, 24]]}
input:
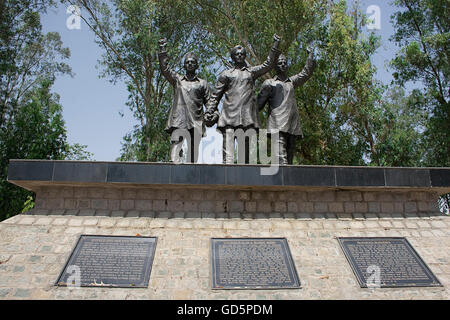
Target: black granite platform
{"points": [[32, 173]]}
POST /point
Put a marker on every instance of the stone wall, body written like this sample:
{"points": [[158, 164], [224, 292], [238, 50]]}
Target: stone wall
{"points": [[146, 201], [34, 249], [187, 205]]}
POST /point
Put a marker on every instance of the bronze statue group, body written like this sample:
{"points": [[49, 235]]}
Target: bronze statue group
{"points": [[241, 107]]}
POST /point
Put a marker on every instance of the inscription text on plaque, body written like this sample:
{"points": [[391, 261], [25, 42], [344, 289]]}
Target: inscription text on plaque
{"points": [[386, 262], [252, 263], [110, 261]]}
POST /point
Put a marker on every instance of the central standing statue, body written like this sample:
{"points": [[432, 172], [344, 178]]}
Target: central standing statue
{"points": [[239, 109]]}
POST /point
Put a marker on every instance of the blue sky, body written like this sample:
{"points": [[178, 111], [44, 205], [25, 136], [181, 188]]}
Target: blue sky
{"points": [[92, 105]]}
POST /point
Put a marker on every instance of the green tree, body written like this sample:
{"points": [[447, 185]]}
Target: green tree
{"points": [[31, 124], [400, 129], [129, 31], [37, 132], [422, 31], [27, 56]]}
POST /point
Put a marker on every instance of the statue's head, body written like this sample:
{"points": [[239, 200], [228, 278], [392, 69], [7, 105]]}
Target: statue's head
{"points": [[190, 62], [281, 66], [238, 54]]}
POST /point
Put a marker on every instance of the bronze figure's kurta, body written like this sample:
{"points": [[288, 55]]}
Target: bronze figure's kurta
{"points": [[190, 95], [283, 111], [239, 108]]}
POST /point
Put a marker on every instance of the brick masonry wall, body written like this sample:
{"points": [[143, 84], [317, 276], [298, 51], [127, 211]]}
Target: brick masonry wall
{"points": [[34, 249], [148, 201]]}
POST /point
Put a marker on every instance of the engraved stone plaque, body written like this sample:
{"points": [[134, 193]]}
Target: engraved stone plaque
{"points": [[386, 263], [109, 261], [252, 263]]}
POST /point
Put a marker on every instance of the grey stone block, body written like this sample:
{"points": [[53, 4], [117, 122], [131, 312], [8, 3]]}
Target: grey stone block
{"points": [[22, 293]]}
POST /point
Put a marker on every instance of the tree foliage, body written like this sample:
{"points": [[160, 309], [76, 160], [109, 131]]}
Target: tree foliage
{"points": [[31, 123], [400, 129], [422, 31], [37, 132], [27, 56]]}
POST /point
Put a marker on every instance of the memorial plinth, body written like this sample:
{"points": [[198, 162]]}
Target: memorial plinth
{"points": [[186, 206]]}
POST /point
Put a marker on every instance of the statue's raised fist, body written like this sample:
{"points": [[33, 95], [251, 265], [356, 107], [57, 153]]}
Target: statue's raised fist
{"points": [[162, 42]]}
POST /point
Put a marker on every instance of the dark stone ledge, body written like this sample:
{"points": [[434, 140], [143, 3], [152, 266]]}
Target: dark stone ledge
{"points": [[360, 177], [80, 172], [32, 173]]}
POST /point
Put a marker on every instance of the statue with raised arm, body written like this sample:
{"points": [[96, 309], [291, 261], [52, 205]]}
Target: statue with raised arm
{"points": [[239, 110], [190, 95], [279, 92]]}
